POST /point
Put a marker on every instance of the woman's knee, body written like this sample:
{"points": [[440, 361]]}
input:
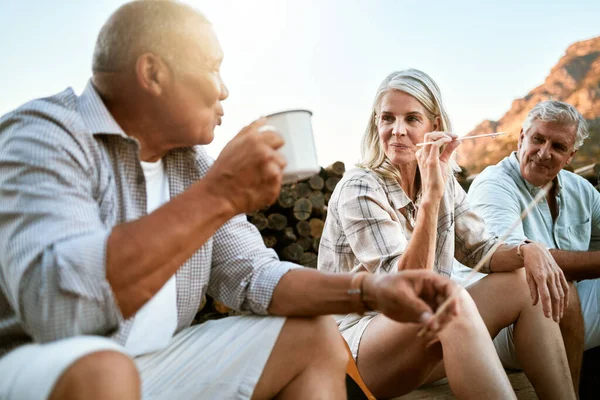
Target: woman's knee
{"points": [[511, 285], [468, 318], [466, 304]]}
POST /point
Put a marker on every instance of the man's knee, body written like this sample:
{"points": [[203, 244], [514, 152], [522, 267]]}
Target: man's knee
{"points": [[102, 375], [572, 319], [321, 336], [330, 340]]}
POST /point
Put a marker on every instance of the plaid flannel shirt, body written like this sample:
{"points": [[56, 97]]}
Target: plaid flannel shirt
{"points": [[366, 230]]}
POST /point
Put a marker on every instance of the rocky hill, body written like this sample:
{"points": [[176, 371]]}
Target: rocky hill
{"points": [[575, 79]]}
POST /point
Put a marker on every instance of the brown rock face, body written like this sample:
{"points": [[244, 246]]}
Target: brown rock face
{"points": [[575, 79]]}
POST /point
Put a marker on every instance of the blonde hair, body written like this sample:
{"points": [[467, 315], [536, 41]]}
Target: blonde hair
{"points": [[420, 86]]}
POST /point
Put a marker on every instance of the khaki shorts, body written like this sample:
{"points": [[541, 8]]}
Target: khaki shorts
{"points": [[220, 359], [589, 297]]}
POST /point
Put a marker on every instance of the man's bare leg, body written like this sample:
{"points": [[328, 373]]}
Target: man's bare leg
{"points": [[106, 375], [572, 329], [308, 361], [503, 298]]}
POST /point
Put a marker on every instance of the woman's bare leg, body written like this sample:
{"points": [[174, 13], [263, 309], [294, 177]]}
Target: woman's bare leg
{"points": [[393, 360]]}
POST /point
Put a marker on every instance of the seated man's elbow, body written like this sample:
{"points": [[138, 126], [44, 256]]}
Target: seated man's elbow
{"points": [[54, 319], [50, 313]]}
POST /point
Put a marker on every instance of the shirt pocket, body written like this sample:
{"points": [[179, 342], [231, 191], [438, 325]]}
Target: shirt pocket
{"points": [[578, 236]]}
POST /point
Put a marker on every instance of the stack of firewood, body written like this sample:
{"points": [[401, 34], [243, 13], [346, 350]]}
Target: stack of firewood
{"points": [[293, 225]]}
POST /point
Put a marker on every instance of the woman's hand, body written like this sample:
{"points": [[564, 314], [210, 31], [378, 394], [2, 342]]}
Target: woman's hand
{"points": [[433, 163]]}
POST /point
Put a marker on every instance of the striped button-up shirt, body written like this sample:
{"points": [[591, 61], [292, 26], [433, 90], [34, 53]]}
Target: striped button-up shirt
{"points": [[68, 175], [370, 220]]}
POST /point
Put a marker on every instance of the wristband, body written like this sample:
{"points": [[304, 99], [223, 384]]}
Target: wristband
{"points": [[523, 242], [356, 293]]}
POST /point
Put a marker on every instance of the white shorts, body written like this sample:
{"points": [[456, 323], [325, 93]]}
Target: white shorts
{"points": [[221, 359], [589, 297], [352, 327]]}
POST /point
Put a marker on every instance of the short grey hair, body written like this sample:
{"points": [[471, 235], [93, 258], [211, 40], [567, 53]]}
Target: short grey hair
{"points": [[420, 86], [143, 26], [561, 113]]}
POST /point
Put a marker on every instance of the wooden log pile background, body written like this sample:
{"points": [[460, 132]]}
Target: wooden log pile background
{"points": [[292, 226]]}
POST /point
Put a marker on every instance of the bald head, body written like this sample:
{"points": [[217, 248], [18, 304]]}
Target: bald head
{"points": [[159, 27]]}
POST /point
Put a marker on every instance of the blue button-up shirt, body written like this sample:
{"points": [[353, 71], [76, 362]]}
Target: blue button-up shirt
{"points": [[500, 193]]}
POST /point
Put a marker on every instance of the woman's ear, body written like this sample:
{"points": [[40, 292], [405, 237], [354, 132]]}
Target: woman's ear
{"points": [[437, 123]]}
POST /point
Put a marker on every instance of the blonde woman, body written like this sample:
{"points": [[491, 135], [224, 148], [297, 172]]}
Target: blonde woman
{"points": [[402, 209]]}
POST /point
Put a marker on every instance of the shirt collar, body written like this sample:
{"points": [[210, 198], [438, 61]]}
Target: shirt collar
{"points": [[398, 198], [534, 190], [95, 115]]}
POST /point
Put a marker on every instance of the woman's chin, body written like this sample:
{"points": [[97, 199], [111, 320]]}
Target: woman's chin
{"points": [[404, 159]]}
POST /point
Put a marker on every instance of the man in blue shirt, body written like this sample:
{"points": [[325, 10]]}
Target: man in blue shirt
{"points": [[567, 221]]}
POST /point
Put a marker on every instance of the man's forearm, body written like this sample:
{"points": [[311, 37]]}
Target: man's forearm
{"points": [[402, 296], [578, 265], [142, 255], [306, 292]]}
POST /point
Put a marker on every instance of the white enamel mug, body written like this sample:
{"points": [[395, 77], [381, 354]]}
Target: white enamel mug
{"points": [[299, 149]]}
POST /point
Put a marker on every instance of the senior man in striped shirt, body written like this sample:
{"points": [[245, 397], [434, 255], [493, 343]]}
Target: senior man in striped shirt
{"points": [[114, 224]]}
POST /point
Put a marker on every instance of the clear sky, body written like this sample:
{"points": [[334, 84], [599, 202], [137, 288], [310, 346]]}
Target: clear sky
{"points": [[328, 56]]}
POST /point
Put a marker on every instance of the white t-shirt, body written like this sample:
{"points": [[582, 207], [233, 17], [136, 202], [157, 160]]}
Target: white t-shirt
{"points": [[156, 321]]}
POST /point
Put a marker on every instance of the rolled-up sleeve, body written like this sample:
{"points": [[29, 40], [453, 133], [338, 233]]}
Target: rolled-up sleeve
{"points": [[472, 239], [52, 240], [244, 271]]}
